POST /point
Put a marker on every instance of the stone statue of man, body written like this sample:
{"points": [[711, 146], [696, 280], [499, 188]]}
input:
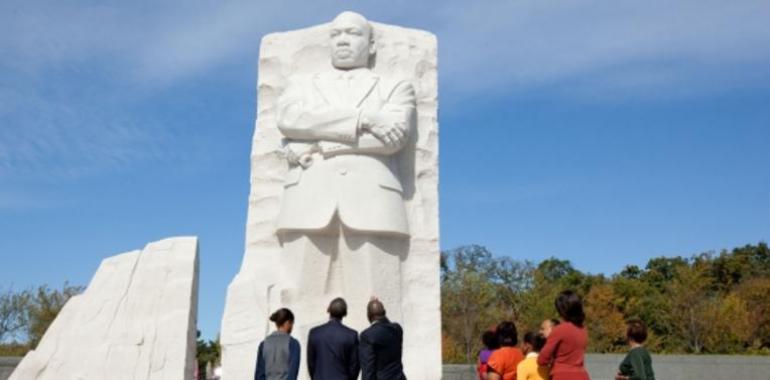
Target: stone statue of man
{"points": [[342, 224]]}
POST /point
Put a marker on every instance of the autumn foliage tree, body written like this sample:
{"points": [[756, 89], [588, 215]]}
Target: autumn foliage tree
{"points": [[707, 303]]}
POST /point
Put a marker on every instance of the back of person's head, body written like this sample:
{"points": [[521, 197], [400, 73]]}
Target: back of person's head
{"points": [[636, 331], [507, 336], [535, 340], [375, 310], [489, 338], [338, 308], [281, 316], [570, 307]]}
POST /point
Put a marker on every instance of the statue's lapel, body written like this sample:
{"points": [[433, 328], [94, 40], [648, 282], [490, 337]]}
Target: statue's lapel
{"points": [[327, 86], [362, 87]]}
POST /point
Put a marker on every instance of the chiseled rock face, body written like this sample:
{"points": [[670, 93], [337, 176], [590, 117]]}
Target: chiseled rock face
{"points": [[401, 53], [136, 320]]}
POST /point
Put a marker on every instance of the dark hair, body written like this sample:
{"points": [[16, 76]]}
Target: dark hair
{"points": [[489, 338], [636, 331], [570, 307], [555, 321], [338, 308], [282, 316], [506, 334], [536, 340]]}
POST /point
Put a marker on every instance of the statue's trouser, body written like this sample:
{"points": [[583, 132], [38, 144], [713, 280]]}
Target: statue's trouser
{"points": [[340, 262]]}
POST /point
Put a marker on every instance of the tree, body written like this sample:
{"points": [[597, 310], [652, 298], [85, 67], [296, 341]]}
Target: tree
{"points": [[512, 279], [13, 315], [606, 324], [728, 324], [45, 305], [208, 353], [756, 294], [689, 301], [468, 297]]}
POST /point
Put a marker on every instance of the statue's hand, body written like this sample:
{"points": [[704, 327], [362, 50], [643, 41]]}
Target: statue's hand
{"points": [[300, 153], [389, 134]]}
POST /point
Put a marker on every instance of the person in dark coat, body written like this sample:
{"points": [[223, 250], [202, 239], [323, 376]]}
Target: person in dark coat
{"points": [[278, 355], [332, 348], [381, 346]]}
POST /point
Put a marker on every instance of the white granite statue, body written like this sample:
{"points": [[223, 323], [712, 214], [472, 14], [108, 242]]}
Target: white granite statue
{"points": [[136, 320], [354, 140], [342, 223]]}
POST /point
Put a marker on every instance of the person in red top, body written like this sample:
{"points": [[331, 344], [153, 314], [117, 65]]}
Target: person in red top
{"points": [[565, 348], [503, 362]]}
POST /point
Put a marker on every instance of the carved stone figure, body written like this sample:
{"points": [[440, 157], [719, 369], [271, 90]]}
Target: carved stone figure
{"points": [[342, 220], [344, 188]]}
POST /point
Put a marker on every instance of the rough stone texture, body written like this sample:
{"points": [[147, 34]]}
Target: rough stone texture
{"points": [[401, 52], [666, 367], [136, 320]]}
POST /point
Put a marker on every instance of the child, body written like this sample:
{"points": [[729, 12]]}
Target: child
{"points": [[637, 364], [528, 368], [504, 361], [489, 339]]}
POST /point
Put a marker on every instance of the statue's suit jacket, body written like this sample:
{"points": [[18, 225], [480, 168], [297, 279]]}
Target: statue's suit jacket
{"points": [[352, 173]]}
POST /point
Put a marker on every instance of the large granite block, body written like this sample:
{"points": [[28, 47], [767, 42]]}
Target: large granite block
{"points": [[136, 320]]}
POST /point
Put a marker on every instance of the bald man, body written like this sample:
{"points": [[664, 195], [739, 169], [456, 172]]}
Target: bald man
{"points": [[342, 224], [381, 346]]}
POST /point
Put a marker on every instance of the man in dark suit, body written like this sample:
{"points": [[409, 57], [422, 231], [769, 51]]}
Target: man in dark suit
{"points": [[381, 346], [332, 348]]}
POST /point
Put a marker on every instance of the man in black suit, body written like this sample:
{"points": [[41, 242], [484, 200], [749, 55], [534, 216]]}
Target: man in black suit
{"points": [[381, 346], [332, 348]]}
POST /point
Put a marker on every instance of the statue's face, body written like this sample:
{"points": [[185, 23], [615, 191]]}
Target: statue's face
{"points": [[351, 42]]}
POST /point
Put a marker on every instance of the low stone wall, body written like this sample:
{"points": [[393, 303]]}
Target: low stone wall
{"points": [[603, 367], [667, 367], [7, 364]]}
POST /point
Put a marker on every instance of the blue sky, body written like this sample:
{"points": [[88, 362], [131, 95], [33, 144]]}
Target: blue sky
{"points": [[605, 133]]}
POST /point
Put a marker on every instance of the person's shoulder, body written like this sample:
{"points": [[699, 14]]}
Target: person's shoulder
{"points": [[348, 329], [317, 329], [526, 363]]}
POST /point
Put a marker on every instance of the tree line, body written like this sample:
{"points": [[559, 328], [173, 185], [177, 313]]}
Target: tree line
{"points": [[26, 314], [716, 303]]}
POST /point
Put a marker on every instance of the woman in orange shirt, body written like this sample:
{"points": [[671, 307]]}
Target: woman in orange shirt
{"points": [[503, 362], [565, 347]]}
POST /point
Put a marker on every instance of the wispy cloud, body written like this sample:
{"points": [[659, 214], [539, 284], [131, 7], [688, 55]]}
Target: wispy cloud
{"points": [[69, 71]]}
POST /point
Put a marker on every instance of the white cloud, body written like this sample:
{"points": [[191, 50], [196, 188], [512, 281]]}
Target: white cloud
{"points": [[69, 70], [483, 44]]}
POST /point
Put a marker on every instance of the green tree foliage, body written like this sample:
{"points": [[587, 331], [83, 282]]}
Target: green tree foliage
{"points": [[26, 314], [45, 306], [209, 353], [707, 303], [13, 313]]}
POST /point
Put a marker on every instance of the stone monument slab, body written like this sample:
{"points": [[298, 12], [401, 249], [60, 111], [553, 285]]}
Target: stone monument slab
{"points": [[136, 320], [344, 190]]}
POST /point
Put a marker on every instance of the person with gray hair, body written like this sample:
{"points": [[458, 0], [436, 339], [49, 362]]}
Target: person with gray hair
{"points": [[381, 346], [332, 348]]}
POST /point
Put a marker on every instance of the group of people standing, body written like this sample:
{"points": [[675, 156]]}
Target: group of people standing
{"points": [[334, 351], [557, 351]]}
